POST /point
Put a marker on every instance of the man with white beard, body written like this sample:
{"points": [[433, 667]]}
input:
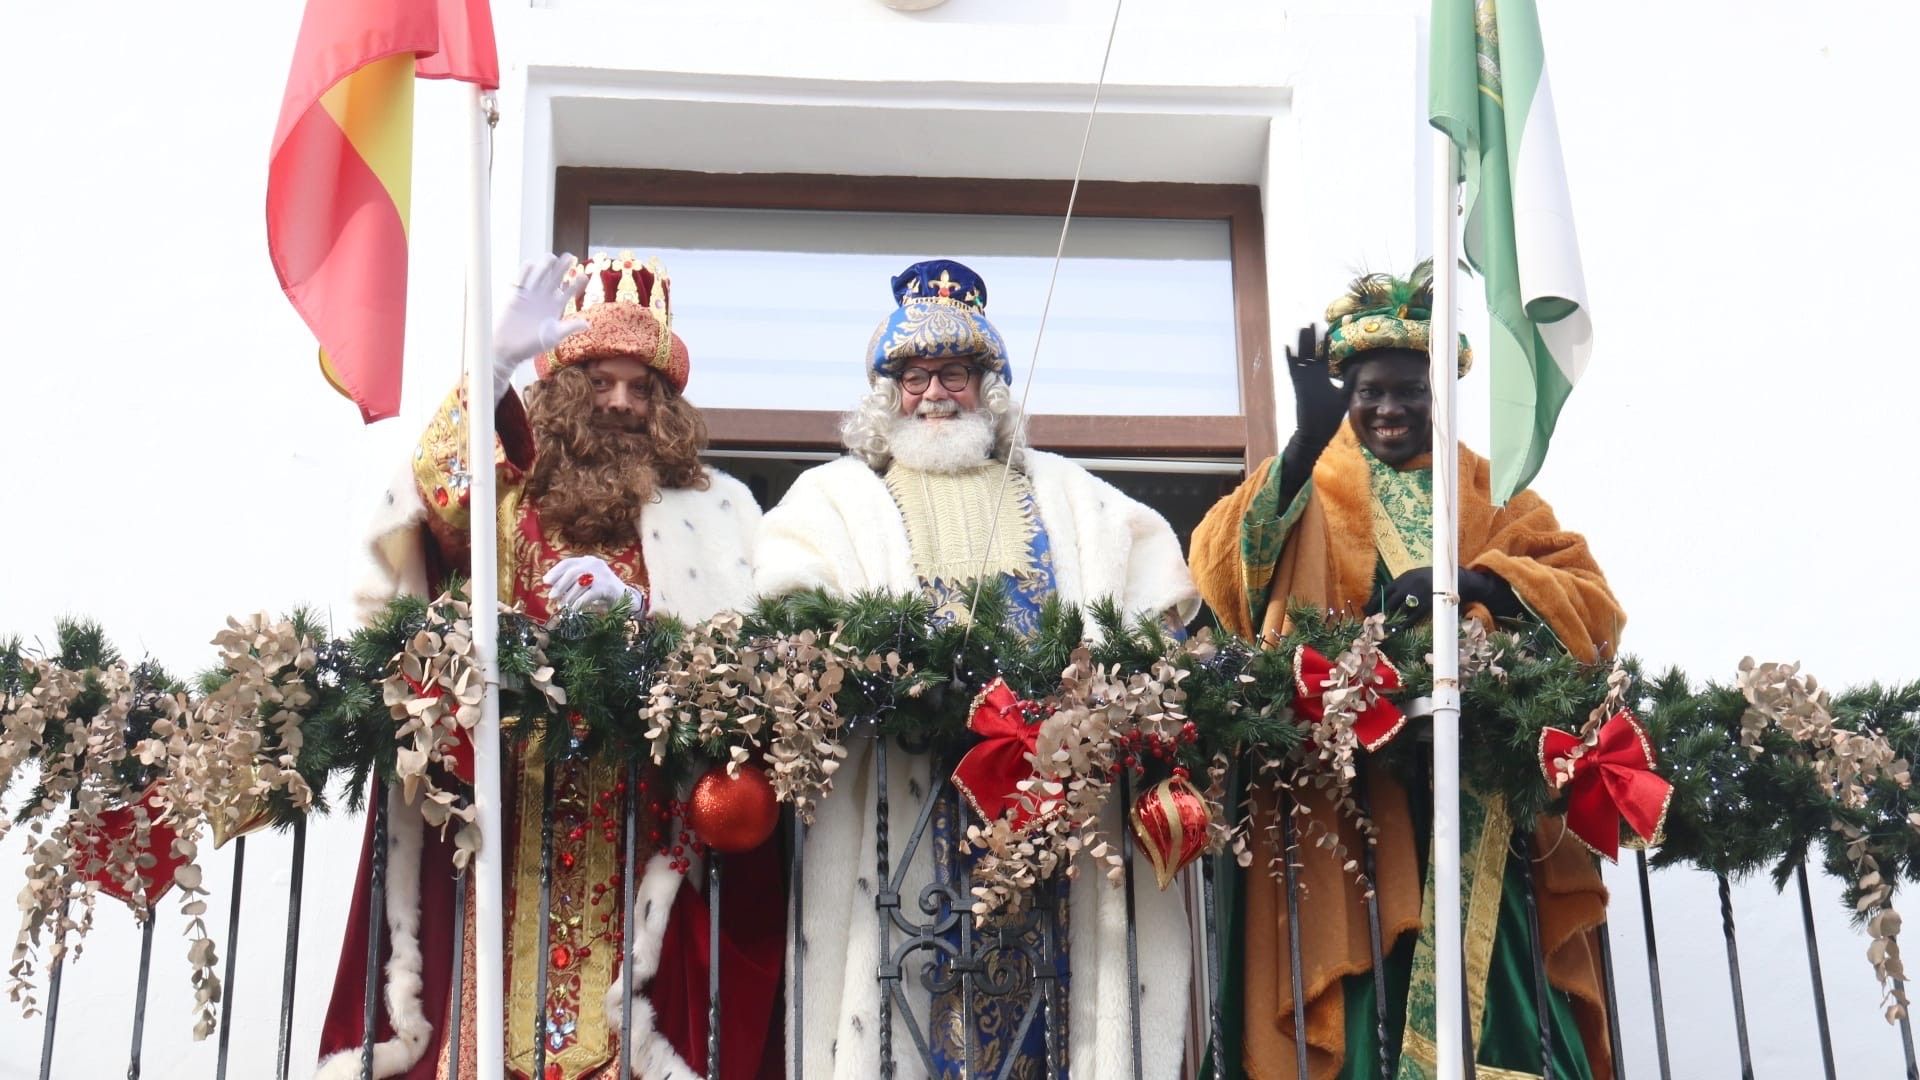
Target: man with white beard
{"points": [[926, 501]]}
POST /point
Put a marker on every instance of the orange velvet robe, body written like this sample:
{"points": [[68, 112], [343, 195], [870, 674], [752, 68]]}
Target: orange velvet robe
{"points": [[1250, 558]]}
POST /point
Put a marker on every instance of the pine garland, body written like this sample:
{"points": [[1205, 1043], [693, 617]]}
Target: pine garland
{"points": [[789, 680]]}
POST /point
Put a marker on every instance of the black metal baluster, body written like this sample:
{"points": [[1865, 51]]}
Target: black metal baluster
{"points": [[1287, 854], [59, 968], [885, 901], [1813, 968], [376, 922], [53, 992], [546, 923], [140, 993], [1906, 1035], [1049, 998], [1733, 973], [1653, 966], [233, 948], [1133, 942], [459, 973], [1542, 1007], [797, 984], [1214, 1037], [1376, 945], [713, 965], [1614, 1045], [967, 963], [291, 959], [629, 891]]}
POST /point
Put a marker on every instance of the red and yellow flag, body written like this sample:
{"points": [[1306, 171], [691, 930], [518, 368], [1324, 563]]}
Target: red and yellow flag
{"points": [[339, 182]]}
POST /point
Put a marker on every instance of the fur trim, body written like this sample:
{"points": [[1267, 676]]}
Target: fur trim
{"points": [[652, 1056], [698, 546], [411, 1031], [839, 529]]}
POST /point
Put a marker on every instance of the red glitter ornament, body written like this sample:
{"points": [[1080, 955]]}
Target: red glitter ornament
{"points": [[733, 814]]}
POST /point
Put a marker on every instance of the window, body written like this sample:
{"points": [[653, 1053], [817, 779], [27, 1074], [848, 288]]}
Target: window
{"points": [[1153, 369]]}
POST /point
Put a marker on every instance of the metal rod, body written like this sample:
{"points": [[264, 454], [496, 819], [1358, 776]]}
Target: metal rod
{"points": [[884, 901], [489, 894], [1449, 974], [59, 969], [1653, 966], [1214, 1036], [1813, 967], [629, 891], [1906, 1034], [1287, 843], [1049, 998], [546, 921], [459, 973], [53, 991], [140, 993], [1614, 1042], [1376, 944], [968, 963], [1133, 942], [1733, 973], [796, 879], [233, 949], [290, 961], [1542, 1006], [713, 964], [376, 921]]}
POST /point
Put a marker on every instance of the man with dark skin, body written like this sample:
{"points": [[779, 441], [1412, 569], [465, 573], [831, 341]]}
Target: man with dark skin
{"points": [[1389, 403], [1342, 522]]}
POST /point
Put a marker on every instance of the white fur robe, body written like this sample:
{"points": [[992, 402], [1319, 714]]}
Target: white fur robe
{"points": [[696, 545], [839, 529]]}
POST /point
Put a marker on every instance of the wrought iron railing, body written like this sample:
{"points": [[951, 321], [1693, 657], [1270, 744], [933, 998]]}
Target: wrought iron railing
{"points": [[1013, 960]]}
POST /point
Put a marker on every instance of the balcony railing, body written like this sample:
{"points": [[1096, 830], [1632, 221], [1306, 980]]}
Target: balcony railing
{"points": [[933, 924]]}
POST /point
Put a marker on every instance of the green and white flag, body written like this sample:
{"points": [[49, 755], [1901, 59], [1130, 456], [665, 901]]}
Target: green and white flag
{"points": [[1489, 94]]}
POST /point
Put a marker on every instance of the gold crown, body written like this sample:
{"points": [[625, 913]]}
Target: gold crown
{"points": [[624, 279]]}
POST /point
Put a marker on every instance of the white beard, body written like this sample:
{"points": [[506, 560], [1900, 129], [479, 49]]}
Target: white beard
{"points": [[962, 442]]}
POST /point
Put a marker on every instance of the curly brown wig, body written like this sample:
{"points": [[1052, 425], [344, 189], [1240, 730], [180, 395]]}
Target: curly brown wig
{"points": [[593, 470]]}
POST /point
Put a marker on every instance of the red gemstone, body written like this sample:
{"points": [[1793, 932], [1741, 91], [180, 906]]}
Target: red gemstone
{"points": [[554, 1072], [566, 860], [562, 957]]}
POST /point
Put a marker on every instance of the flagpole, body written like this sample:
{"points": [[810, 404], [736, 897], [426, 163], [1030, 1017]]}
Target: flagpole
{"points": [[489, 924], [1450, 985]]}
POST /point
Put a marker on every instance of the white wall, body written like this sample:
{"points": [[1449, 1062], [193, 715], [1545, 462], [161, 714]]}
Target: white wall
{"points": [[1736, 455]]}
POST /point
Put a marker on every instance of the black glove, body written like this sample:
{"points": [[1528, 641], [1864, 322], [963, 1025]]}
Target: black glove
{"points": [[1318, 408], [1412, 594]]}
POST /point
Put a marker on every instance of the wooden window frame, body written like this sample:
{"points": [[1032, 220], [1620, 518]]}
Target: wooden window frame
{"points": [[1251, 436]]}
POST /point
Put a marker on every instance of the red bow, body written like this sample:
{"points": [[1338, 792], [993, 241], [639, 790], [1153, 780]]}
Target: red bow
{"points": [[1376, 725], [989, 776], [1611, 781]]}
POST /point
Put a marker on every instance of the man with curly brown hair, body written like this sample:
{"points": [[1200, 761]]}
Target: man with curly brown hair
{"points": [[603, 501]]}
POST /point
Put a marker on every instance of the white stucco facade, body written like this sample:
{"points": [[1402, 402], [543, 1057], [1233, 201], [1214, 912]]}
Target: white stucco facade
{"points": [[1736, 455]]}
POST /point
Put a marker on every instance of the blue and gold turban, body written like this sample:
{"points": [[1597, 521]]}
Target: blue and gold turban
{"points": [[942, 316]]}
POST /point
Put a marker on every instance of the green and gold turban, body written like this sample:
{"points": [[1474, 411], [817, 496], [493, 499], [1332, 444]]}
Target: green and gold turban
{"points": [[1380, 311]]}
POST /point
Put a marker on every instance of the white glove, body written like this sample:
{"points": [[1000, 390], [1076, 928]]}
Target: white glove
{"points": [[530, 321], [586, 582]]}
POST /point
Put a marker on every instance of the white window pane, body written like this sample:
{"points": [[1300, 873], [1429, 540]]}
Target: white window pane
{"points": [[777, 306]]}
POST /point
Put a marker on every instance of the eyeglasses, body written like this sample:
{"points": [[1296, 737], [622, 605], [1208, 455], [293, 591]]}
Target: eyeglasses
{"points": [[955, 377]]}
